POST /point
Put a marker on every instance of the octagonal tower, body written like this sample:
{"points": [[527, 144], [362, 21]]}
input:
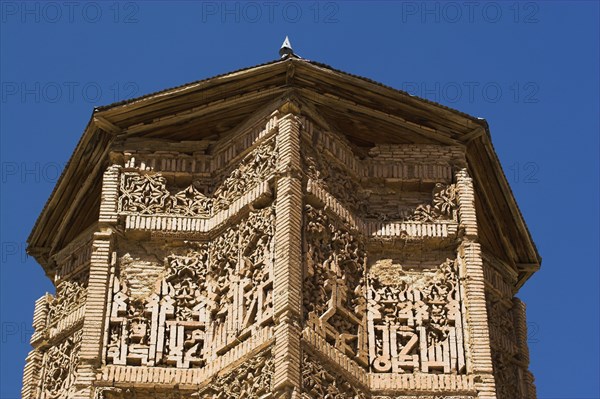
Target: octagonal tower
{"points": [[286, 230]]}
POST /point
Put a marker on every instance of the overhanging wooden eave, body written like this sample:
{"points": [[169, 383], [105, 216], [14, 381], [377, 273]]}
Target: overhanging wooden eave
{"points": [[381, 97], [314, 84], [88, 154], [171, 101], [481, 155]]}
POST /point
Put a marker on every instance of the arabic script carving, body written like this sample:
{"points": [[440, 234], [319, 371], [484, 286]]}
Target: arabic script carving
{"points": [[207, 298], [415, 322], [334, 283]]}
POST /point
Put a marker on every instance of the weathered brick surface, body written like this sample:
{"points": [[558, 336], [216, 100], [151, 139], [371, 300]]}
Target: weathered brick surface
{"points": [[288, 253], [282, 260]]}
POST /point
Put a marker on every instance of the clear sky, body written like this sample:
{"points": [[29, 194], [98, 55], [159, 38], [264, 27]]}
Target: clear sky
{"points": [[530, 68]]}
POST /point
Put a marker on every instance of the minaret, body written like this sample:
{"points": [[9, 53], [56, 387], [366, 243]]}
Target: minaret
{"points": [[284, 231]]}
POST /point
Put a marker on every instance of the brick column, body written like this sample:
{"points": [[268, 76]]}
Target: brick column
{"points": [[477, 336], [110, 195], [287, 284], [519, 315], [33, 364], [90, 357]]}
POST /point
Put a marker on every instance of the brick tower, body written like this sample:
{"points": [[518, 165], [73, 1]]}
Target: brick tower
{"points": [[283, 231]]}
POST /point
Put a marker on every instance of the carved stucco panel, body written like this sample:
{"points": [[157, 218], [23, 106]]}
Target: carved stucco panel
{"points": [[182, 306], [415, 322], [320, 382], [152, 193], [59, 368], [334, 284]]}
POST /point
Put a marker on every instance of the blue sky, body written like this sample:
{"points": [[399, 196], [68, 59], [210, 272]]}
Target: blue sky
{"points": [[529, 68]]}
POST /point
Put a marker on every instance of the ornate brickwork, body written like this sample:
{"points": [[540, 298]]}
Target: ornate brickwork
{"points": [[332, 176], [334, 282], [70, 294], [250, 380], [205, 297], [423, 397], [442, 206], [147, 193], [254, 168], [415, 322], [318, 382], [244, 247], [59, 368], [509, 353]]}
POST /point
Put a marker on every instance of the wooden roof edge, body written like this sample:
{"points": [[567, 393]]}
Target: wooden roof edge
{"points": [[532, 259], [33, 235], [100, 122], [414, 101], [42, 249], [78, 156], [41, 255], [185, 88]]}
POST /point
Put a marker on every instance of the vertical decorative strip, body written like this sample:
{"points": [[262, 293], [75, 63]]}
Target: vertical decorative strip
{"points": [[110, 195], [479, 355], [31, 374], [527, 386], [91, 345], [287, 282], [33, 363]]}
